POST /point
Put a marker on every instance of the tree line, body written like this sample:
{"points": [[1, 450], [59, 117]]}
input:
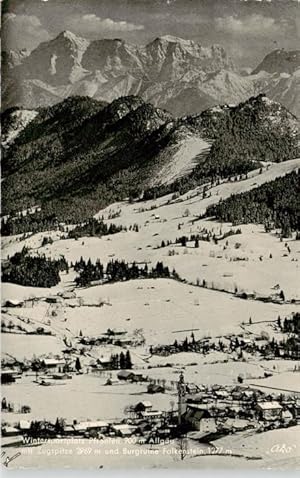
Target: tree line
{"points": [[26, 222], [117, 270], [40, 221], [34, 271], [96, 227], [39, 271]]}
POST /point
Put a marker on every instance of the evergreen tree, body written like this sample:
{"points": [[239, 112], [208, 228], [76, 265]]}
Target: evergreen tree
{"points": [[122, 360], [77, 364], [128, 363]]}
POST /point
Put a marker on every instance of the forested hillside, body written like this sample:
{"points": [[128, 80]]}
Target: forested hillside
{"points": [[78, 156], [274, 204]]}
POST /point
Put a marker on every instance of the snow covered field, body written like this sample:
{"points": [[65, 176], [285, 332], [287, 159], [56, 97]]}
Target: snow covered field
{"points": [[83, 397], [162, 308]]}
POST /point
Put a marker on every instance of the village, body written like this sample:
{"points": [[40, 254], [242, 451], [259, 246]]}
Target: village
{"points": [[201, 413]]}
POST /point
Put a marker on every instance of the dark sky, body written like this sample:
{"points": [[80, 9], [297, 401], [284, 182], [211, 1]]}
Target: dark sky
{"points": [[248, 29]]}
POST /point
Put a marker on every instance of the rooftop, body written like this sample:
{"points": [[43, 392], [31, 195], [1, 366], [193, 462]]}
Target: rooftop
{"points": [[54, 361], [151, 413], [9, 371], [125, 373], [92, 424], [269, 405], [24, 425], [123, 428], [146, 404]]}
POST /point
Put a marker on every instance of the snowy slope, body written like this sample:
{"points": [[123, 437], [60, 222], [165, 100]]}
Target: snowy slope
{"points": [[159, 220], [17, 121], [183, 161]]}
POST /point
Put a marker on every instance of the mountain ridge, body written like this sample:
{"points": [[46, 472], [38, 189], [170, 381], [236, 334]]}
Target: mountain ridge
{"points": [[81, 154]]}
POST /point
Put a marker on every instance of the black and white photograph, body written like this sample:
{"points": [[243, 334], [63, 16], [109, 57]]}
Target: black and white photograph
{"points": [[150, 235]]}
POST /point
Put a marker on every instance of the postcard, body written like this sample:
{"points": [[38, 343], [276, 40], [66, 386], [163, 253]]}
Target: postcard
{"points": [[150, 234]]}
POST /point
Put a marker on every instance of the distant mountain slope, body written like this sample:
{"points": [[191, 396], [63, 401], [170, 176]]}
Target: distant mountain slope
{"points": [[178, 75], [80, 155], [192, 95], [281, 87], [280, 61]]}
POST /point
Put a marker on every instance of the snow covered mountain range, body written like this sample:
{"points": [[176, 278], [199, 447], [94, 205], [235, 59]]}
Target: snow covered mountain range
{"points": [[178, 75]]}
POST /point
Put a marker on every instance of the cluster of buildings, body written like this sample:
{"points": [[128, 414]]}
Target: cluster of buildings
{"points": [[118, 337], [142, 421], [222, 410], [52, 367], [203, 416]]}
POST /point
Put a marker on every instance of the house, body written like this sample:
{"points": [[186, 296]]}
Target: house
{"points": [[125, 375], [242, 393], [122, 341], [24, 425], [151, 414], [245, 341], [248, 394], [214, 409], [163, 432], [92, 426], [54, 365], [69, 430], [237, 395], [221, 394], [105, 362], [191, 388], [153, 388], [286, 416], [139, 377], [199, 420], [269, 410], [53, 299], [114, 332], [61, 376], [13, 303], [144, 428], [123, 430], [9, 375], [236, 424], [8, 431], [199, 397], [143, 406], [296, 410]]}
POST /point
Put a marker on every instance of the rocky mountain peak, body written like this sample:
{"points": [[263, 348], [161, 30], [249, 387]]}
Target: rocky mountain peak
{"points": [[68, 39], [173, 39]]}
